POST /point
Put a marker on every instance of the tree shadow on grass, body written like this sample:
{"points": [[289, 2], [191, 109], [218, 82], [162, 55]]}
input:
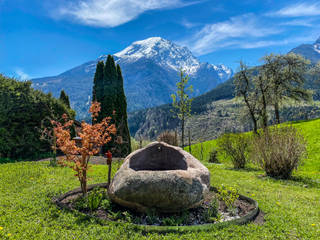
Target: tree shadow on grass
{"points": [[305, 182], [246, 169]]}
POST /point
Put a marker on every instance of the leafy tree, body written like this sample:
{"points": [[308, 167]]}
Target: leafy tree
{"points": [[64, 98], [286, 77], [245, 89], [92, 137], [182, 102]]}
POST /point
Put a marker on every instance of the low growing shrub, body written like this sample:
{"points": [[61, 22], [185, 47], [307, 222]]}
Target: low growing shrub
{"points": [[279, 150], [235, 146], [213, 156], [229, 195], [169, 137]]}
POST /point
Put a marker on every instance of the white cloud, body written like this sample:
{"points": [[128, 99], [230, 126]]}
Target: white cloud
{"points": [[22, 75], [267, 43], [299, 22], [111, 13], [298, 10], [231, 33]]}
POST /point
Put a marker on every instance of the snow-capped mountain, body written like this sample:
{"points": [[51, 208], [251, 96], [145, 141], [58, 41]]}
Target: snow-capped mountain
{"points": [[309, 51], [150, 68]]}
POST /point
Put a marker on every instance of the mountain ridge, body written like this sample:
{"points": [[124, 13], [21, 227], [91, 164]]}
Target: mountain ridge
{"points": [[150, 68]]}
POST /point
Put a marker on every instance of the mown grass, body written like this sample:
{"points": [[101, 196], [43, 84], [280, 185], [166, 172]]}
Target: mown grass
{"points": [[292, 207]]}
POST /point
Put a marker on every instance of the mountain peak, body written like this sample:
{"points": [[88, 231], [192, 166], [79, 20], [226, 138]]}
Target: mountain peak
{"points": [[161, 51]]}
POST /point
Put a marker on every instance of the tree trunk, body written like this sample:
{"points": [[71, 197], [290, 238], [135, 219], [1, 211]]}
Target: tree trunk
{"points": [[109, 174], [254, 120], [264, 108], [277, 113], [182, 131], [189, 138]]}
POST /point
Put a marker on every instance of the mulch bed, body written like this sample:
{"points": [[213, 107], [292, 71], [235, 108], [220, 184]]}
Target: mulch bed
{"points": [[194, 216]]}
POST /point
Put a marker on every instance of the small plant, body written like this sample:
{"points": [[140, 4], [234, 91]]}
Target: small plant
{"points": [[213, 156], [235, 146], [94, 198], [212, 212], [81, 203], [176, 220], [169, 137], [169, 221], [228, 195], [106, 204], [152, 216], [279, 150], [115, 215]]}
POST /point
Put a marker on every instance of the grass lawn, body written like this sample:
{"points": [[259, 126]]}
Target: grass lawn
{"points": [[292, 207]]}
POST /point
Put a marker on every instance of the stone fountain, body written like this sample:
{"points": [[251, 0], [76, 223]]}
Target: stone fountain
{"points": [[161, 177]]}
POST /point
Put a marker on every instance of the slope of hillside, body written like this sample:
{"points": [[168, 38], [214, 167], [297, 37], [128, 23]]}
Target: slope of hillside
{"points": [[150, 68], [310, 167]]}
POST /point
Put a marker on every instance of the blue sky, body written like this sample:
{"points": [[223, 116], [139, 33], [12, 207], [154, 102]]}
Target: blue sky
{"points": [[46, 37]]}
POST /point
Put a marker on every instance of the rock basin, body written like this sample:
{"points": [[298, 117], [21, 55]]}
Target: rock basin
{"points": [[162, 177]]}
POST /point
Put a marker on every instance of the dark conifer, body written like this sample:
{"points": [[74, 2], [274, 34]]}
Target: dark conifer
{"points": [[64, 98]]}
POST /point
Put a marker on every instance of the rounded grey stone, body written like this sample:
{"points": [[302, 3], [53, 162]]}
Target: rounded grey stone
{"points": [[160, 176]]}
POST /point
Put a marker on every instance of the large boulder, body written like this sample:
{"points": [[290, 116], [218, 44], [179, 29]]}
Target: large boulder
{"points": [[160, 176]]}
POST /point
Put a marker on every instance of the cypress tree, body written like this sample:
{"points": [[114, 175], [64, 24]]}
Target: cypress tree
{"points": [[64, 98], [97, 91], [108, 90], [121, 115]]}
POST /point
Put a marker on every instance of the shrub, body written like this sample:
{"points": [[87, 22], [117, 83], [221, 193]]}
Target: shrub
{"points": [[279, 150], [22, 110], [213, 156], [228, 195], [169, 137], [235, 146]]}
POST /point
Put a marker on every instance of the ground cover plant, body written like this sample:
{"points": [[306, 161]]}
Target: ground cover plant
{"points": [[291, 207]]}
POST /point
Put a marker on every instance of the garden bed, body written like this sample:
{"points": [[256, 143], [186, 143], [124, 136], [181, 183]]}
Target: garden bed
{"points": [[245, 210]]}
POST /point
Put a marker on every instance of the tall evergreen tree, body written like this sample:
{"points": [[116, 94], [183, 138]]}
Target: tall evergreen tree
{"points": [[64, 98], [121, 115], [108, 90], [98, 82]]}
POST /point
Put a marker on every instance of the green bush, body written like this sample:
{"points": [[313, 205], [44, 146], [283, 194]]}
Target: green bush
{"points": [[21, 111], [236, 147], [213, 156], [279, 150]]}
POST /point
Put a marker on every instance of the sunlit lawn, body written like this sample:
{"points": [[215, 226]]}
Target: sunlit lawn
{"points": [[292, 207]]}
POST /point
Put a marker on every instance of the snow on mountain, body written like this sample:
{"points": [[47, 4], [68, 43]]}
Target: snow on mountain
{"points": [[309, 51], [163, 52], [150, 68]]}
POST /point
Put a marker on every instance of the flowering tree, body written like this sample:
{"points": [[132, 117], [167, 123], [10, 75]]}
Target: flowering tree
{"points": [[91, 138]]}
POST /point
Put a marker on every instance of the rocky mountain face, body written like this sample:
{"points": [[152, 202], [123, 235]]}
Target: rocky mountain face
{"points": [[150, 68], [309, 51]]}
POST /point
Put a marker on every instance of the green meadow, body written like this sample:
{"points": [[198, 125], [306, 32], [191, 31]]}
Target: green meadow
{"points": [[291, 207]]}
